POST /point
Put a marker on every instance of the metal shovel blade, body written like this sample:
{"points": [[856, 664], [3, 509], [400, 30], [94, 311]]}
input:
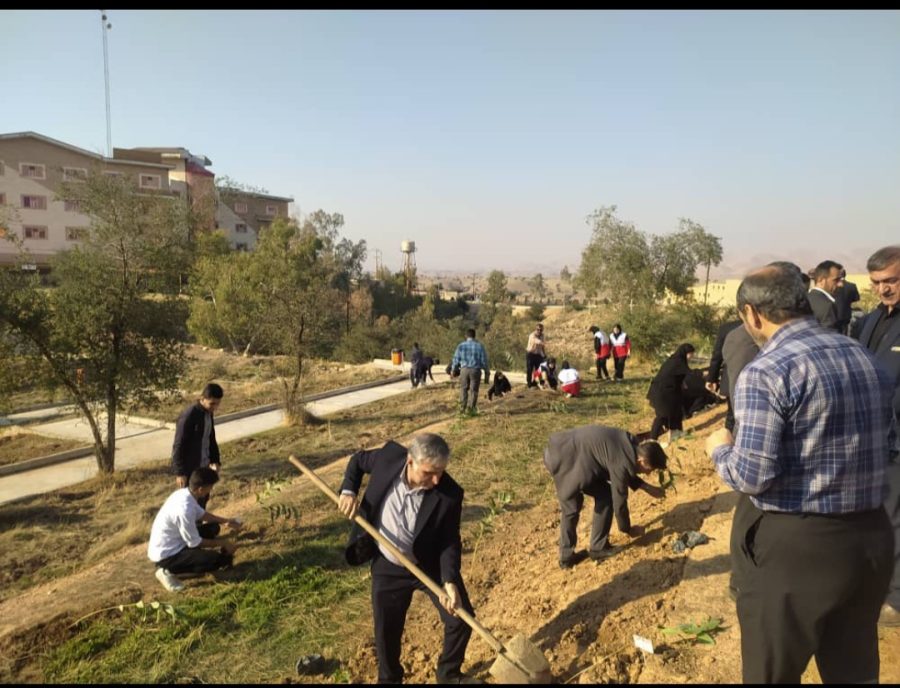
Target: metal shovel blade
{"points": [[530, 665]]}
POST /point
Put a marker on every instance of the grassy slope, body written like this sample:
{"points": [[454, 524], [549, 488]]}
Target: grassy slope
{"points": [[291, 594]]}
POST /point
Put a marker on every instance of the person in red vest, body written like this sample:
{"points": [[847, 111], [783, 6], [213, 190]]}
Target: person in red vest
{"points": [[621, 349], [601, 352]]}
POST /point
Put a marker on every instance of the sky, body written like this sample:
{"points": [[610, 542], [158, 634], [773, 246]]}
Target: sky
{"points": [[487, 137]]}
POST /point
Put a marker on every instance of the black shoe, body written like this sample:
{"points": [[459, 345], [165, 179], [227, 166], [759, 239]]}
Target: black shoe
{"points": [[606, 552], [574, 559]]}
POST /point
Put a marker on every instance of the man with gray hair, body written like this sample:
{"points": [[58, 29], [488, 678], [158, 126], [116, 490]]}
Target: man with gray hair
{"points": [[813, 550], [417, 506], [880, 334]]}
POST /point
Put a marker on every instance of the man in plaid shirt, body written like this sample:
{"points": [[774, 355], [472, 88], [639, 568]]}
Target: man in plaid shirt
{"points": [[812, 546], [471, 358]]}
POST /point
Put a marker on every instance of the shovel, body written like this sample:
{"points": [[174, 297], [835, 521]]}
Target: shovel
{"points": [[519, 662]]}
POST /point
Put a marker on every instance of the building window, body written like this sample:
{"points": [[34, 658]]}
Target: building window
{"points": [[74, 174], [271, 210], [76, 233], [240, 228], [33, 171], [240, 208], [34, 232], [150, 181], [73, 206], [110, 173], [34, 202], [240, 247]]}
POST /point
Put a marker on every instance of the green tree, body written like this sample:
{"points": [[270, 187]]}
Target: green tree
{"points": [[673, 264], [111, 331], [538, 286], [303, 300], [707, 249], [564, 275], [496, 291], [345, 257], [616, 262], [228, 293]]}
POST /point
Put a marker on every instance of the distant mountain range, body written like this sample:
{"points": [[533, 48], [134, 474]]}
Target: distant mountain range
{"points": [[734, 265]]}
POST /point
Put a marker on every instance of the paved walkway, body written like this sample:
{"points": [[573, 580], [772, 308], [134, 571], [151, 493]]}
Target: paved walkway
{"points": [[138, 442]]}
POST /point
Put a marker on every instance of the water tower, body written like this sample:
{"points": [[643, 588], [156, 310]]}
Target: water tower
{"points": [[408, 249]]}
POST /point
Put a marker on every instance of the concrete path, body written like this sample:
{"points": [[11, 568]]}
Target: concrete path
{"points": [[138, 444]]}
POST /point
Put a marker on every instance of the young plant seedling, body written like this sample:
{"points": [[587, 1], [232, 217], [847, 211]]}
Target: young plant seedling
{"points": [[696, 633]]}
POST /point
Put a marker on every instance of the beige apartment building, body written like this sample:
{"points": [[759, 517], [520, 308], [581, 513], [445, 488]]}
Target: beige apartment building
{"points": [[33, 166]]}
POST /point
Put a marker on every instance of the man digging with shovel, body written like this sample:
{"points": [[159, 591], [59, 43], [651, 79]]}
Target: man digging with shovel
{"points": [[417, 507]]}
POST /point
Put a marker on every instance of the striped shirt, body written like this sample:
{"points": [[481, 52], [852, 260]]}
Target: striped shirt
{"points": [[814, 425], [397, 520], [470, 354]]}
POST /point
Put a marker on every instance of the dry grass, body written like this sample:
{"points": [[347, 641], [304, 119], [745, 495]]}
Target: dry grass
{"points": [[17, 444]]}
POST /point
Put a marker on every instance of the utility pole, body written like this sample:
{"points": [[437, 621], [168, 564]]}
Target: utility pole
{"points": [[105, 26]]}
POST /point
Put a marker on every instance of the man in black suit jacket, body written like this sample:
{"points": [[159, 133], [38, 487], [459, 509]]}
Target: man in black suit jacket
{"points": [[195, 443], [826, 277], [417, 506], [844, 297], [602, 462], [717, 375], [880, 333]]}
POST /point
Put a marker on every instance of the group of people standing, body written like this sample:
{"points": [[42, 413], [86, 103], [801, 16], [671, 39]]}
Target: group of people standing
{"points": [[617, 345], [812, 449]]}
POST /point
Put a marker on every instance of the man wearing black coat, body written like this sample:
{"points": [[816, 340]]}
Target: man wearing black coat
{"points": [[195, 443], [417, 507], [880, 333], [826, 278], [844, 297], [717, 376], [602, 462]]}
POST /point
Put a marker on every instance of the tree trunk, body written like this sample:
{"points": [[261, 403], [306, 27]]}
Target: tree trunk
{"points": [[108, 458], [706, 289]]}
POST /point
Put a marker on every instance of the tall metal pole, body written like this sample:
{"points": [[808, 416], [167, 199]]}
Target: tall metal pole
{"points": [[104, 27]]}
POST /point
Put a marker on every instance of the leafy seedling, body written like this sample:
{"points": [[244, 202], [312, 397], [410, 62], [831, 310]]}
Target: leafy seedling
{"points": [[696, 633], [666, 479]]}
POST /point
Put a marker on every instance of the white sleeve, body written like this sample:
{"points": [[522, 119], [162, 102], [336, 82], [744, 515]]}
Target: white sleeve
{"points": [[187, 528]]}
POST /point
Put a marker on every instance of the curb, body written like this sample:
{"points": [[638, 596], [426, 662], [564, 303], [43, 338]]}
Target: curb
{"points": [[62, 457], [41, 461]]}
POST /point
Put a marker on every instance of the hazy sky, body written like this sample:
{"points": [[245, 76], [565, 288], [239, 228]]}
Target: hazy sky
{"points": [[487, 137]]}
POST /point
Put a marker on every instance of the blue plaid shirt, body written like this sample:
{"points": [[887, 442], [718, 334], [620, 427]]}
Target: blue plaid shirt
{"points": [[815, 429], [470, 354]]}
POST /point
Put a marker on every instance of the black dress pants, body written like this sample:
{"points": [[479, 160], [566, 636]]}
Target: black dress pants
{"points": [[602, 372], [810, 585], [195, 559], [392, 589]]}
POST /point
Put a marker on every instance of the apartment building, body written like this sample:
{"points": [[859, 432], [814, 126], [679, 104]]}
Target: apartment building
{"points": [[32, 168], [242, 215]]}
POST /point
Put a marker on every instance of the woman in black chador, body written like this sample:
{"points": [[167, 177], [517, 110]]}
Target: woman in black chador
{"points": [[665, 393]]}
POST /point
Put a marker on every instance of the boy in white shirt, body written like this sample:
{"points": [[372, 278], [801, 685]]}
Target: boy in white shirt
{"points": [[178, 544]]}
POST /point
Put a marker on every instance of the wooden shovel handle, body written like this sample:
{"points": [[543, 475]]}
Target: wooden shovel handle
{"points": [[389, 546]]}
